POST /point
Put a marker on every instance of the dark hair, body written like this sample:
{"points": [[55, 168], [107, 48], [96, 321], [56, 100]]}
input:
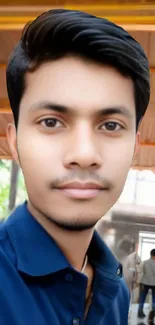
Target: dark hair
{"points": [[152, 253], [127, 244], [60, 32]]}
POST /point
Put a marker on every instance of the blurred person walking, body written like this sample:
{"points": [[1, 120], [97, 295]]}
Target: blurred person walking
{"points": [[148, 282]]}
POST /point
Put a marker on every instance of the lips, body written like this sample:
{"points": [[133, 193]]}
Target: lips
{"points": [[78, 190], [82, 186]]}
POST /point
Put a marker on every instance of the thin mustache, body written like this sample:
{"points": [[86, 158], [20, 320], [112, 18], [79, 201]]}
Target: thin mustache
{"points": [[103, 182]]}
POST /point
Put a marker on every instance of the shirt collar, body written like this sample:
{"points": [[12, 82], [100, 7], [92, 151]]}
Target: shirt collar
{"points": [[103, 259], [38, 254]]}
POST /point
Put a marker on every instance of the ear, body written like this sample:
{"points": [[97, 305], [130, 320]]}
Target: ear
{"points": [[12, 141], [137, 143]]}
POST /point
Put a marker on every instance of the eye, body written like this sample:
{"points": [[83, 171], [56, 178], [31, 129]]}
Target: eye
{"points": [[112, 126], [51, 123]]}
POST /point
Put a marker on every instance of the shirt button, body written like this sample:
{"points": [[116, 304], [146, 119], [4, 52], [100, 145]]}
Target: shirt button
{"points": [[69, 277], [118, 272], [76, 321]]}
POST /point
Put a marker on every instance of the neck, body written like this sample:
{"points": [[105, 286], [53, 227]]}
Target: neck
{"points": [[73, 244]]}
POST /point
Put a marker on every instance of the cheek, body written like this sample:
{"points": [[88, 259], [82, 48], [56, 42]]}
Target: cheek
{"points": [[39, 157], [124, 157], [119, 160]]}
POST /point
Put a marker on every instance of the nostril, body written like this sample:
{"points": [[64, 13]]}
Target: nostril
{"points": [[73, 164], [93, 165]]}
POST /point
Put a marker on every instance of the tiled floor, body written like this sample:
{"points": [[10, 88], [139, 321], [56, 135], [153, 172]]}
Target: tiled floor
{"points": [[134, 320]]}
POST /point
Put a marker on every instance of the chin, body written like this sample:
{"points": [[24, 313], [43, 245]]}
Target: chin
{"points": [[74, 225]]}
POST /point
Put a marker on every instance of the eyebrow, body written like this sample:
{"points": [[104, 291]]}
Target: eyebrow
{"points": [[121, 110]]}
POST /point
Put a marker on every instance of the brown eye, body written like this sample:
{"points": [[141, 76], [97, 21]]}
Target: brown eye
{"points": [[51, 123], [112, 126]]}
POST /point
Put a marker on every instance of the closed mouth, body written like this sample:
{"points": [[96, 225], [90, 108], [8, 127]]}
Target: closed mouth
{"points": [[81, 191]]}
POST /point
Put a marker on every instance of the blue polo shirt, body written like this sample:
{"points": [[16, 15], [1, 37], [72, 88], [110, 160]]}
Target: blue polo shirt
{"points": [[38, 286]]}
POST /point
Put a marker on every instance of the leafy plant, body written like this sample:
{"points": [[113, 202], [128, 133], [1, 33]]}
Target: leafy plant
{"points": [[5, 177]]}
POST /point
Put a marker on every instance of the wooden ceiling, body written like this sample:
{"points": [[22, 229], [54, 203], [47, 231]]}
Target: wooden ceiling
{"points": [[138, 17]]}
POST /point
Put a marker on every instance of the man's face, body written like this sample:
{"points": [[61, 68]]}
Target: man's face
{"points": [[75, 139]]}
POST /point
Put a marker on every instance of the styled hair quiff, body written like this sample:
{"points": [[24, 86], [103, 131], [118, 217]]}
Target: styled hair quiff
{"points": [[60, 32]]}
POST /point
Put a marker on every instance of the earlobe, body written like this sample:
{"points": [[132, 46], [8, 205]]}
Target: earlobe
{"points": [[12, 141]]}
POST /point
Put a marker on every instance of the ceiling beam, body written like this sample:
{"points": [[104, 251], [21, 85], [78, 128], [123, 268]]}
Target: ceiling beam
{"points": [[5, 111], [3, 137], [130, 23], [117, 7], [102, 8], [6, 157], [147, 144], [127, 15]]}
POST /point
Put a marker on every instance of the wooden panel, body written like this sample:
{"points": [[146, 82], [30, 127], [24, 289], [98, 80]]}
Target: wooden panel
{"points": [[124, 13], [150, 112], [3, 91], [4, 105], [118, 2], [142, 38], [145, 158], [50, 2], [92, 2], [152, 49], [31, 2], [58, 2], [152, 99], [74, 2], [4, 120], [147, 134], [8, 40]]}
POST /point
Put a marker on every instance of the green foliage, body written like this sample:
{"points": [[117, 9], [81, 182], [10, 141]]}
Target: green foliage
{"points": [[5, 164], [21, 189], [4, 199], [5, 168], [5, 176]]}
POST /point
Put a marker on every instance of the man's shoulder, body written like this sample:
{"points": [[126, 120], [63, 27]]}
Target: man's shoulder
{"points": [[149, 261], [9, 228]]}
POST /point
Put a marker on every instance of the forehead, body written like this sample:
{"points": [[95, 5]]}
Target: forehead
{"points": [[78, 83]]}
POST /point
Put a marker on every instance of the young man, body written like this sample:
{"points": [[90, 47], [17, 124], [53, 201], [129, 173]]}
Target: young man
{"points": [[78, 87]]}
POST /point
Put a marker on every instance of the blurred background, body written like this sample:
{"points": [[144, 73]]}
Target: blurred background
{"points": [[129, 226]]}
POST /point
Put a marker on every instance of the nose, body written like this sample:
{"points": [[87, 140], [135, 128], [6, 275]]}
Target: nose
{"points": [[83, 150]]}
